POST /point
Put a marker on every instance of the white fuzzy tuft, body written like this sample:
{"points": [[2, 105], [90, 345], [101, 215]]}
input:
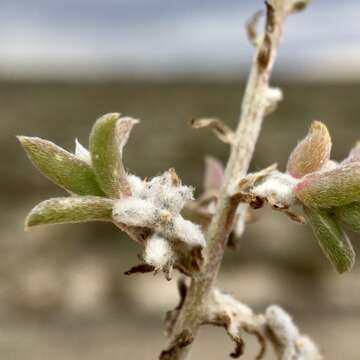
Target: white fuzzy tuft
{"points": [[137, 186], [82, 153], [307, 349], [135, 212], [293, 345], [158, 252], [188, 232], [274, 95], [162, 191], [282, 325], [156, 204], [278, 188]]}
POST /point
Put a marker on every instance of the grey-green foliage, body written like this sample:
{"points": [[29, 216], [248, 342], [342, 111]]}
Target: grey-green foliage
{"points": [[349, 215], [63, 168], [92, 176], [73, 209], [332, 239], [333, 188], [107, 139]]}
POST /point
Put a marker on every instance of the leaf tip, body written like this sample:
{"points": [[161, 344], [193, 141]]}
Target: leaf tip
{"points": [[25, 140], [312, 153]]}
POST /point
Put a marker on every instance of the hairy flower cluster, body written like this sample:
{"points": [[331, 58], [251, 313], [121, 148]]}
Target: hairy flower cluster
{"points": [[102, 190], [156, 204]]}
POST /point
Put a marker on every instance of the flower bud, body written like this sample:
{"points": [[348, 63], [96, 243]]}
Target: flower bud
{"points": [[327, 189], [333, 241], [311, 153]]}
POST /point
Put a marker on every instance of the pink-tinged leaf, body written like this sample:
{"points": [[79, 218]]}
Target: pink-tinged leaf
{"points": [[61, 167], [71, 209], [312, 153], [107, 140], [333, 241], [354, 155], [214, 174], [328, 189]]}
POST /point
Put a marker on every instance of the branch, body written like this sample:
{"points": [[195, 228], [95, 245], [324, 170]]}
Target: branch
{"points": [[253, 111]]}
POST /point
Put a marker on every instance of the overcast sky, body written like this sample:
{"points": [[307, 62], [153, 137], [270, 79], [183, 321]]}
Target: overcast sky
{"points": [[159, 38]]}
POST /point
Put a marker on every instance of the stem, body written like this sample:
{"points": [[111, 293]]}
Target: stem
{"points": [[252, 114]]}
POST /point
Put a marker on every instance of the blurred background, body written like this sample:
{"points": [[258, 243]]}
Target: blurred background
{"points": [[62, 64]]}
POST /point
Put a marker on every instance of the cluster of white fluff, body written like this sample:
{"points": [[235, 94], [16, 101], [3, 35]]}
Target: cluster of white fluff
{"points": [[158, 252], [156, 204], [293, 344], [278, 188]]}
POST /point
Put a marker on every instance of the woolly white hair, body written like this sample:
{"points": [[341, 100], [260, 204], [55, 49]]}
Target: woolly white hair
{"points": [[164, 194], [135, 212], [137, 185], [278, 187], [188, 232], [293, 344], [158, 252]]}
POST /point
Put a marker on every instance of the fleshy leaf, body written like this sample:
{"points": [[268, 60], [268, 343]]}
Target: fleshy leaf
{"points": [[73, 209], [354, 155], [214, 174], [333, 241], [107, 139], [349, 215], [312, 152], [332, 188], [60, 166]]}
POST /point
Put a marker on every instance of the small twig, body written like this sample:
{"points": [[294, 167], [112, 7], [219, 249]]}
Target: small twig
{"points": [[249, 180], [222, 131], [251, 28]]}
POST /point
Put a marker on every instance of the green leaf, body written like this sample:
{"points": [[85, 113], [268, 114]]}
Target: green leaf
{"points": [[312, 153], [349, 215], [107, 139], [63, 168], [333, 241], [333, 188], [73, 209]]}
